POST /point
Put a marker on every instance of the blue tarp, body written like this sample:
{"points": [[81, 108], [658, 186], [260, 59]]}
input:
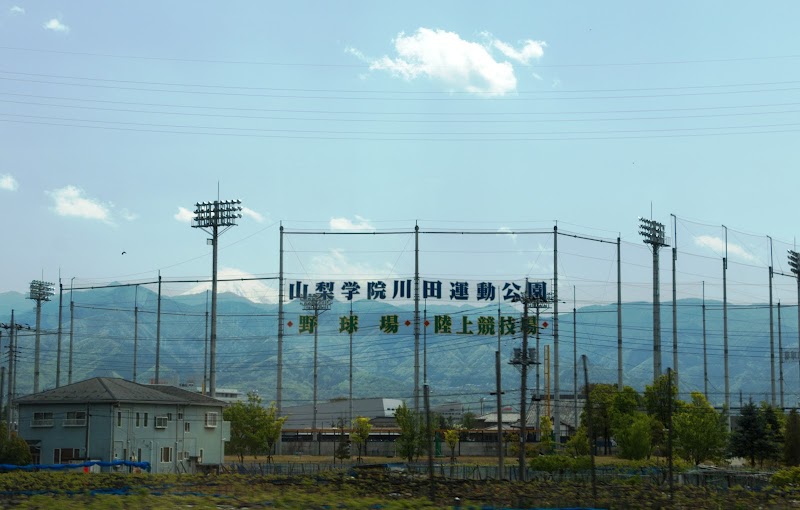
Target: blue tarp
{"points": [[145, 466]]}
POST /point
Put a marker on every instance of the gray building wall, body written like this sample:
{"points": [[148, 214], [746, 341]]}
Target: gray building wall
{"points": [[113, 433]]}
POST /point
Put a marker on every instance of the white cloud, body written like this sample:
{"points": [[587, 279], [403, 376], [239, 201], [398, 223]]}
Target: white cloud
{"points": [[128, 215], [507, 231], [184, 215], [362, 225], [56, 26], [530, 50], [70, 201], [8, 183], [718, 245], [17, 10], [254, 290], [446, 57], [246, 211]]}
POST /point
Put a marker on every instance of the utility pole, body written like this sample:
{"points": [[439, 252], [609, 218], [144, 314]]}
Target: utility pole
{"points": [[725, 326], [674, 298], [619, 328], [524, 357], [58, 347], [214, 218], [40, 291], [12, 328], [590, 424], [771, 328], [316, 303], [158, 332], [416, 318], [653, 233], [205, 352], [135, 329], [575, 357], [498, 383], [794, 263], [705, 346], [780, 352], [71, 332], [350, 401]]}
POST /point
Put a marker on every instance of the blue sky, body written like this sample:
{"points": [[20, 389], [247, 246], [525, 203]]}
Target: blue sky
{"points": [[117, 117]]}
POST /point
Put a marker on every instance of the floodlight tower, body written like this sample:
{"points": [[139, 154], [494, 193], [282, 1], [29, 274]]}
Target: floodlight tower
{"points": [[653, 233], [794, 263], [316, 303], [215, 218], [40, 291]]}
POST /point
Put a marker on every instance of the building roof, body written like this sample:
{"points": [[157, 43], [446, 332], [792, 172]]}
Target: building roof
{"points": [[110, 390]]}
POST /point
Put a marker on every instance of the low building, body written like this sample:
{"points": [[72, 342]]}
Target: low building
{"points": [[379, 410], [107, 419]]}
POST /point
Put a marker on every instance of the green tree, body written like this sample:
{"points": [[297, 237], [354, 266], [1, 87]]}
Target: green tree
{"points": [[360, 434], [602, 396], [578, 444], [253, 428], [791, 445], [546, 442], [13, 450], [468, 421], [240, 440], [772, 445], [269, 427], [342, 450], [659, 398], [409, 442], [748, 437], [452, 437], [700, 432], [635, 440]]}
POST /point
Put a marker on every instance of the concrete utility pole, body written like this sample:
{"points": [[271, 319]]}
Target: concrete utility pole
{"points": [[705, 346], [158, 332], [771, 328], [58, 346], [524, 357], [653, 233], [40, 292], [794, 263], [780, 352], [725, 326], [71, 331], [135, 329], [214, 218], [674, 298], [316, 303], [619, 326]]}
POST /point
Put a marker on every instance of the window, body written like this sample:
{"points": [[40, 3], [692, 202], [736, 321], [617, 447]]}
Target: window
{"points": [[200, 456], [180, 416], [169, 416], [187, 426], [166, 453], [65, 455], [161, 422], [145, 419], [211, 420], [42, 420], [139, 455], [137, 419], [75, 419], [119, 418]]}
